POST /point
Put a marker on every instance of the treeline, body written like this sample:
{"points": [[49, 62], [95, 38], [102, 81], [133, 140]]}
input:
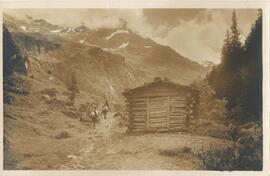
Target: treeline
{"points": [[238, 78]]}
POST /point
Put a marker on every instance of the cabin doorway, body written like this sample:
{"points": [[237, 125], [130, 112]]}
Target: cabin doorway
{"points": [[158, 112]]}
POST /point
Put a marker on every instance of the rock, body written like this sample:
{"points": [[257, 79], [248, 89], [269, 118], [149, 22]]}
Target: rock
{"points": [[46, 98], [61, 135]]}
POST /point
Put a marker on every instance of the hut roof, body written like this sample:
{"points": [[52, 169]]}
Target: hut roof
{"points": [[156, 82]]}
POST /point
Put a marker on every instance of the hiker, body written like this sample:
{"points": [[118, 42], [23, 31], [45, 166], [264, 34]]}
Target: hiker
{"points": [[93, 114], [105, 109]]}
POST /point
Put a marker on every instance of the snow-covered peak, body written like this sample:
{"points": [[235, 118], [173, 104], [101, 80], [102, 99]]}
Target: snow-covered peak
{"points": [[62, 30], [119, 31]]}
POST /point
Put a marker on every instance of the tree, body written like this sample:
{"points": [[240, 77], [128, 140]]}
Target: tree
{"points": [[73, 88], [238, 77], [225, 77], [235, 34], [251, 75]]}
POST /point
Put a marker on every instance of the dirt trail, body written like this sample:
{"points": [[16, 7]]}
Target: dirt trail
{"points": [[114, 149]]}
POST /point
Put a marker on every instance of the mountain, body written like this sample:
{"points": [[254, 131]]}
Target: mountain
{"points": [[152, 58], [101, 62]]}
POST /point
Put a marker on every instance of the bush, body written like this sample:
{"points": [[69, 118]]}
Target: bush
{"points": [[218, 159], [245, 154], [210, 107], [251, 152]]}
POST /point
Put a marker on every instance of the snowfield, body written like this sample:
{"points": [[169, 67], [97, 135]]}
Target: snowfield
{"points": [[119, 31], [124, 45], [56, 31], [23, 28]]}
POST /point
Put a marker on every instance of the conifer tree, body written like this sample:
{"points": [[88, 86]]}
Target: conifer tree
{"points": [[235, 34], [225, 80], [238, 77], [251, 95]]}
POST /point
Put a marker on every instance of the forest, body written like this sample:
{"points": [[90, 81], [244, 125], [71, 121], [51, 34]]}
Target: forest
{"points": [[237, 83]]}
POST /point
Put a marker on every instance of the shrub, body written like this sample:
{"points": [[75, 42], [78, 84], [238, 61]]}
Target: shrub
{"points": [[218, 158], [245, 154], [251, 152]]}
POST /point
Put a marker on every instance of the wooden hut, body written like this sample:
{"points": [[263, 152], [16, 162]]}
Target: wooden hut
{"points": [[160, 106]]}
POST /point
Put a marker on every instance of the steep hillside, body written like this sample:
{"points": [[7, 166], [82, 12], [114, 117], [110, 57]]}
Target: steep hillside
{"points": [[95, 71], [102, 62]]}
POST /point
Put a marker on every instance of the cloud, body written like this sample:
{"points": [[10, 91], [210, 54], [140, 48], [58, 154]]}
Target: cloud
{"points": [[200, 38], [195, 33]]}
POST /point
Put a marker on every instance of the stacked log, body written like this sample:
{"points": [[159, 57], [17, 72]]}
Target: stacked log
{"points": [[137, 113]]}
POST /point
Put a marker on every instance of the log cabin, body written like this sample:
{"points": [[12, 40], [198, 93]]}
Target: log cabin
{"points": [[160, 105]]}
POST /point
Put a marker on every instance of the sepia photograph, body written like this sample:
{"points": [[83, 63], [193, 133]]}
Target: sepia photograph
{"points": [[132, 89]]}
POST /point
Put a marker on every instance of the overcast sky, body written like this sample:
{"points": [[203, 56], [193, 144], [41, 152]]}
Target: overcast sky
{"points": [[195, 33]]}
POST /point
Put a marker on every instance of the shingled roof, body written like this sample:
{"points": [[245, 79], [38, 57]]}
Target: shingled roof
{"points": [[157, 81]]}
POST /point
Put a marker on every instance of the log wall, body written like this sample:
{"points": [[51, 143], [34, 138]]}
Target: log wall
{"points": [[159, 109]]}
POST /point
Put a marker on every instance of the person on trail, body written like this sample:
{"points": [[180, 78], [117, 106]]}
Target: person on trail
{"points": [[105, 109], [93, 114]]}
